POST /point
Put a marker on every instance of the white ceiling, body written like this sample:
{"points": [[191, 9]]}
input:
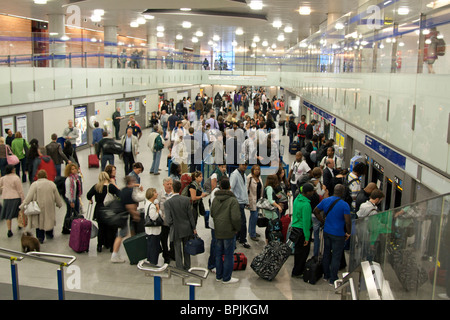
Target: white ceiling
{"points": [[121, 12]]}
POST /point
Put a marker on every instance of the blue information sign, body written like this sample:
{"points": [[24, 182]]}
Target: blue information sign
{"points": [[386, 152]]}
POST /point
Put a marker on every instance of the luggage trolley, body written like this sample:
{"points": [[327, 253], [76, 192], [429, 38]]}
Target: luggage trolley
{"points": [[166, 271]]}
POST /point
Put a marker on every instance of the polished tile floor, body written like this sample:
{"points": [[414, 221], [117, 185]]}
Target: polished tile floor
{"points": [[98, 276]]}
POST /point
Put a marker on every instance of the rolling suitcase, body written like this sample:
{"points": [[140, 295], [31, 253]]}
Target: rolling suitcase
{"points": [[313, 266], [136, 247], [80, 235], [93, 161], [268, 263]]}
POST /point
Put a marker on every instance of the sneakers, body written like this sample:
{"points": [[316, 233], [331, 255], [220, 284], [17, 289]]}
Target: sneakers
{"points": [[232, 280], [117, 259]]}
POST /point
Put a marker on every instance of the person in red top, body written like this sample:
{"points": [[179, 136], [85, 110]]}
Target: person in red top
{"points": [[301, 131]]}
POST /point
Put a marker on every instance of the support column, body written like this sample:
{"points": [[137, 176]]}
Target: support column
{"points": [[152, 43], [110, 47], [178, 54], [57, 29], [197, 59]]}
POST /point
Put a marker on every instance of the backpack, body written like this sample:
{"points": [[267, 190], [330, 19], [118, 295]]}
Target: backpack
{"points": [[301, 129], [348, 193], [159, 145], [440, 47], [185, 180], [61, 185]]}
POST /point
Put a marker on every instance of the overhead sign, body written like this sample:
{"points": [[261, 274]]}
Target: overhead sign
{"points": [[393, 156], [320, 112]]}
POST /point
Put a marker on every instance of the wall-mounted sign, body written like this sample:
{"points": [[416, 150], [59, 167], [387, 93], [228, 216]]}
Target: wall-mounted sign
{"points": [[81, 123], [320, 112], [386, 152]]}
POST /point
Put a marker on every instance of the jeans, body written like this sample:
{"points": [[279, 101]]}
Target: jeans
{"points": [[23, 163], [155, 163], [332, 254], [212, 251], [165, 131], [252, 223], [107, 158], [316, 229], [242, 235], [224, 268], [58, 170], [153, 248]]}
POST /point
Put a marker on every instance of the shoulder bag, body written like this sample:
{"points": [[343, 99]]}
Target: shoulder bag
{"points": [[153, 223]]}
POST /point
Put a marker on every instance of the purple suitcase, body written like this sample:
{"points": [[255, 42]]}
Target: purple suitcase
{"points": [[80, 235]]}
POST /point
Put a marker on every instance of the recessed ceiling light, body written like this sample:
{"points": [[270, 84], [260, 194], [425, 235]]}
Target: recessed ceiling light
{"points": [[40, 1], [277, 24], [186, 24], [99, 12], [304, 11], [93, 40], [65, 38], [280, 37], [265, 43], [199, 34], [253, 45], [256, 39], [288, 29], [141, 20], [134, 24], [160, 29], [339, 26], [179, 37], [234, 43], [185, 9], [403, 11], [216, 37], [274, 46], [194, 39], [149, 17], [160, 34], [239, 31], [256, 5]]}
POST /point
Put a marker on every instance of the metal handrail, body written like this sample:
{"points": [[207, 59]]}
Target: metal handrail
{"points": [[37, 256]]}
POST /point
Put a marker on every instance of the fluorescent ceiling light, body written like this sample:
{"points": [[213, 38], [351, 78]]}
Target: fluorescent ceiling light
{"points": [[304, 11], [239, 31], [179, 37], [160, 29], [186, 24], [160, 34], [256, 5], [134, 24], [288, 29], [185, 9], [277, 24], [402, 11], [199, 34], [40, 1]]}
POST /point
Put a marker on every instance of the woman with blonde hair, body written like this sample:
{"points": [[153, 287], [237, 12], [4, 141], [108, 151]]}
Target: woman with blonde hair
{"points": [[74, 190], [47, 196], [153, 233], [99, 192]]}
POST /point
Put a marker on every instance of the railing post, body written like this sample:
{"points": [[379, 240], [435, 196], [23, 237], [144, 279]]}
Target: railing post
{"points": [[14, 279], [191, 292], [60, 276], [157, 288]]}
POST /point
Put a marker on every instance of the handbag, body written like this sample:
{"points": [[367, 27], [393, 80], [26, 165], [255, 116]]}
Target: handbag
{"points": [[22, 219], [264, 203], [153, 223], [262, 221], [114, 215], [32, 208], [109, 198], [12, 159], [194, 246]]}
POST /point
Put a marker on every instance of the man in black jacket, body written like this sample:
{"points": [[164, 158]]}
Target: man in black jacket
{"points": [[102, 153]]}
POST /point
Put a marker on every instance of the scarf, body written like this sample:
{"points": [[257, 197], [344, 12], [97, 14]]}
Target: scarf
{"points": [[75, 181]]}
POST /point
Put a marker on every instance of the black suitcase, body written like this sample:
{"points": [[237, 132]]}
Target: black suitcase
{"points": [[313, 270], [294, 147], [268, 263]]}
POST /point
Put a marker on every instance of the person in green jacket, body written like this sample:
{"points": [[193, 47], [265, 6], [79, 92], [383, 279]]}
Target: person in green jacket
{"points": [[302, 223], [19, 147], [227, 222]]}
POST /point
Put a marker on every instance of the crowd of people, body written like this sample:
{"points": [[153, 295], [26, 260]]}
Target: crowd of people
{"points": [[238, 143]]}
